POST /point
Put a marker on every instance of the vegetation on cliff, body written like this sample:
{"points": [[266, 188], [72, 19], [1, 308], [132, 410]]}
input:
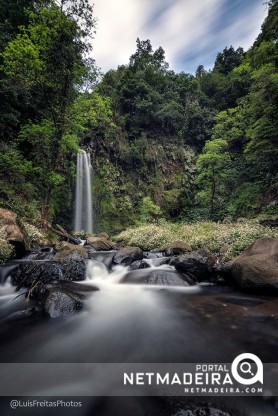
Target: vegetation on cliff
{"points": [[164, 145]]}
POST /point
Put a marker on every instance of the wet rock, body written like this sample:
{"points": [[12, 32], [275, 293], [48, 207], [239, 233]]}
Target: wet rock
{"points": [[27, 274], [24, 314], [222, 268], [63, 298], [158, 277], [73, 261], [139, 264], [58, 304], [45, 253], [12, 231], [136, 276], [256, 269], [198, 263], [68, 250], [74, 269], [159, 261], [168, 278], [128, 255], [151, 255], [100, 243], [175, 248]]}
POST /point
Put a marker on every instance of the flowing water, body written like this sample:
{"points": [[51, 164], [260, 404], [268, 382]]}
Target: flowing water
{"points": [[135, 323], [83, 212]]}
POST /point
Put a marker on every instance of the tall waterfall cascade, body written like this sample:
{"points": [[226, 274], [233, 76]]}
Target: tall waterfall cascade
{"points": [[83, 210]]}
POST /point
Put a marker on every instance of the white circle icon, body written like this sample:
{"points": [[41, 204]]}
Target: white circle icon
{"points": [[245, 367]]}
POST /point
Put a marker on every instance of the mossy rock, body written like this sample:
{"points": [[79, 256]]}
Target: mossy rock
{"points": [[66, 250], [100, 243], [175, 248], [256, 269], [128, 255]]}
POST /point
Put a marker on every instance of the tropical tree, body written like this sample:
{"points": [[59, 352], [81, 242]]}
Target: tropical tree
{"points": [[47, 61], [211, 173]]}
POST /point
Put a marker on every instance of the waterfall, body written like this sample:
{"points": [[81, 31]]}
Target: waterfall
{"points": [[83, 211]]}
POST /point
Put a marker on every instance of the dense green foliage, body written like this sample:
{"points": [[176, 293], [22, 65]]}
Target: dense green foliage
{"points": [[43, 65], [164, 144]]}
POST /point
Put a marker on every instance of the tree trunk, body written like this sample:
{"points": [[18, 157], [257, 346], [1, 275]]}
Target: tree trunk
{"points": [[213, 191]]}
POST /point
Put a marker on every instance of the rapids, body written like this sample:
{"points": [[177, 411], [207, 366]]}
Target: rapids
{"points": [[135, 323]]}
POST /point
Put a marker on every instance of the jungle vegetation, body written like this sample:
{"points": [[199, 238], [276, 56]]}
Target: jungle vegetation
{"points": [[178, 146]]}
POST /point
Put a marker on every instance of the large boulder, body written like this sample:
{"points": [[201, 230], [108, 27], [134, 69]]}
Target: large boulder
{"points": [[12, 231], [161, 277], [175, 248], [67, 250], [168, 278], [34, 273], [60, 298], [29, 273], [139, 264], [74, 269], [256, 268], [100, 243], [128, 255], [73, 261], [198, 264], [67, 264]]}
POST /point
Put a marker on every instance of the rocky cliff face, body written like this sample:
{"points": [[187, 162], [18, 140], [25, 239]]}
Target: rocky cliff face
{"points": [[14, 240], [125, 173]]}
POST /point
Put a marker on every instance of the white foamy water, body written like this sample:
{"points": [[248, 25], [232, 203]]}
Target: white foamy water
{"points": [[83, 211], [124, 323], [99, 274]]}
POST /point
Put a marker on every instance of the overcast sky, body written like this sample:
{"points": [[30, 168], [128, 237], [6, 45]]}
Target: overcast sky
{"points": [[190, 31]]}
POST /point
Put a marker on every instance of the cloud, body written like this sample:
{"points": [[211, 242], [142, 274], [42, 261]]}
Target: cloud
{"points": [[117, 29], [241, 30], [183, 27], [190, 31]]}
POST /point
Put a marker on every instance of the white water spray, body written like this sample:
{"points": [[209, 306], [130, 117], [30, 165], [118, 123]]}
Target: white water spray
{"points": [[98, 273], [83, 211]]}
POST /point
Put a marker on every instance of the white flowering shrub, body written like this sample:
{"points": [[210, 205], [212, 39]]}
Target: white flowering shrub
{"points": [[214, 236], [35, 235], [6, 251]]}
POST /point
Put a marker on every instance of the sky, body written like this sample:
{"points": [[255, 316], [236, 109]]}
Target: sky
{"points": [[191, 32]]}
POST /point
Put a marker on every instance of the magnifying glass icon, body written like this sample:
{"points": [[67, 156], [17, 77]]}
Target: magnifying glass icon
{"points": [[245, 367]]}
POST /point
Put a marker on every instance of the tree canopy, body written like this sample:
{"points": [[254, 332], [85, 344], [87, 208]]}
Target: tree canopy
{"points": [[163, 144]]}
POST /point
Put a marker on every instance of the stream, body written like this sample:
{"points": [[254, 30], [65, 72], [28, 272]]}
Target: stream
{"points": [[135, 323]]}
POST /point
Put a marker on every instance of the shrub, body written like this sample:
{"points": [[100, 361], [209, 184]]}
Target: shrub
{"points": [[212, 235], [35, 235], [6, 251]]}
